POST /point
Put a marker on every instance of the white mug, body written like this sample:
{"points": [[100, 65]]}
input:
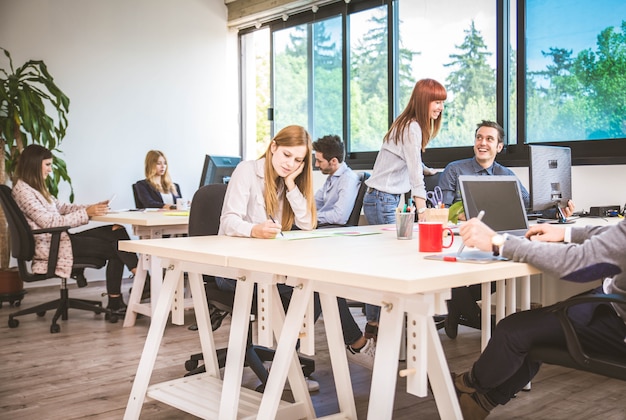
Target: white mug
{"points": [[182, 204]]}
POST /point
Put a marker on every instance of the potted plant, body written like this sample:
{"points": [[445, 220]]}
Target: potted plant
{"points": [[27, 95]]}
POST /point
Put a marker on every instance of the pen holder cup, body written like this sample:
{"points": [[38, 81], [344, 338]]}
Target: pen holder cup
{"points": [[404, 225], [437, 215]]}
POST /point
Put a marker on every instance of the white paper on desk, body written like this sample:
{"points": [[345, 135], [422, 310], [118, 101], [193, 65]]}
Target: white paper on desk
{"points": [[469, 256], [321, 233]]}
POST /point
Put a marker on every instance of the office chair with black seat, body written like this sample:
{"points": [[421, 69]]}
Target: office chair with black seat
{"points": [[204, 219], [574, 356], [23, 250]]}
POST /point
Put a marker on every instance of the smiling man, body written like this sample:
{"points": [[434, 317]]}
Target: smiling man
{"points": [[488, 142]]}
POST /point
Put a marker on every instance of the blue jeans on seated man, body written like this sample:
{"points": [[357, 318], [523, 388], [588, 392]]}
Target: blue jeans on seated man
{"points": [[351, 330]]}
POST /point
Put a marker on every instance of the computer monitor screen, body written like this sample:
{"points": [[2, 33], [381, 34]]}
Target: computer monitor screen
{"points": [[550, 176], [218, 169]]}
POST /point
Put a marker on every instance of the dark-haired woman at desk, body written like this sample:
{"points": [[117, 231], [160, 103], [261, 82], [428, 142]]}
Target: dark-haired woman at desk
{"points": [[157, 191], [42, 210]]}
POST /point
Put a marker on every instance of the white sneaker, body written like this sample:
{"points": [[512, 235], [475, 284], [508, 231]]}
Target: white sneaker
{"points": [[312, 385], [365, 355]]}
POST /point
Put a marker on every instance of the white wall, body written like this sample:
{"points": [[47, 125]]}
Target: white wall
{"points": [[140, 74], [592, 185]]}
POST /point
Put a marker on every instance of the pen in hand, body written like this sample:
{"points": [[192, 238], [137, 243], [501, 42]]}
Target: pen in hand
{"points": [[272, 219], [479, 217]]}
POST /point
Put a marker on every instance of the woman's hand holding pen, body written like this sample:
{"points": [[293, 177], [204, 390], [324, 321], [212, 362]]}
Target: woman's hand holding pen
{"points": [[477, 234], [266, 230]]}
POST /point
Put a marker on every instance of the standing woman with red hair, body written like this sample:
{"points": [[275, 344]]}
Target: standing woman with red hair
{"points": [[399, 168]]}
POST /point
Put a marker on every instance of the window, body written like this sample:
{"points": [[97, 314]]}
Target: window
{"points": [[576, 70], [548, 71]]}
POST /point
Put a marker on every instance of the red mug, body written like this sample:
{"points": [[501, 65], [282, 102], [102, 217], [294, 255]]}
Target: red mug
{"points": [[431, 237]]}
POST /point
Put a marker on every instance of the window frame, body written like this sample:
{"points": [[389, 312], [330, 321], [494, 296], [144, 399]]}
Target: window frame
{"points": [[584, 152]]}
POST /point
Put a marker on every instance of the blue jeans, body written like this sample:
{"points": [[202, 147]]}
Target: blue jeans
{"points": [[351, 330], [379, 209]]}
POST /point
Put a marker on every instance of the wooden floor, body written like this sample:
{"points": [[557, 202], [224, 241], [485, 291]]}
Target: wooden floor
{"points": [[86, 371]]}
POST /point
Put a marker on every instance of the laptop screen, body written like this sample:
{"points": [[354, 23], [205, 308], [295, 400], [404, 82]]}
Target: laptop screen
{"points": [[500, 198]]}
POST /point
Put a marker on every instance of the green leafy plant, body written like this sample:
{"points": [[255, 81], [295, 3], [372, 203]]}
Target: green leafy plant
{"points": [[455, 211], [27, 95]]}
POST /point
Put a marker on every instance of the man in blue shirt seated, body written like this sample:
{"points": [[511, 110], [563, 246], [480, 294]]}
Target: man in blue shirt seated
{"points": [[488, 142], [335, 200]]}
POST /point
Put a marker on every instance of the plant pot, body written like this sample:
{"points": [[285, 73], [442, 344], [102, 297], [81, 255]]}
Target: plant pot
{"points": [[11, 287]]}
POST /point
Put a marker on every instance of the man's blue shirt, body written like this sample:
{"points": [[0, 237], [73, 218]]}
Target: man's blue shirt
{"points": [[335, 200], [449, 180]]}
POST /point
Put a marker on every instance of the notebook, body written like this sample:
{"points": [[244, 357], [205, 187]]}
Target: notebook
{"points": [[499, 197]]}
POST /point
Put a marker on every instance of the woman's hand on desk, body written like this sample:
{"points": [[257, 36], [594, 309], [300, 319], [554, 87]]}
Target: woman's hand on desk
{"points": [[266, 230], [546, 233]]}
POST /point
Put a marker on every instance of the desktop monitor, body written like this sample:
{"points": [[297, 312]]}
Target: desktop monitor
{"points": [[218, 169], [550, 176]]}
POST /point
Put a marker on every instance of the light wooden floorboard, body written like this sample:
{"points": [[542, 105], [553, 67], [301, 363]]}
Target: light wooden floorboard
{"points": [[86, 371]]}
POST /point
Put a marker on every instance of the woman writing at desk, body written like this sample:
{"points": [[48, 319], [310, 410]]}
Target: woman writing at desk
{"points": [[42, 210], [272, 194], [157, 191]]}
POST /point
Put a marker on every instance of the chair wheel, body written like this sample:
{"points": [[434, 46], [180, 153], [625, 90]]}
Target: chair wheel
{"points": [[191, 365], [13, 323], [17, 303], [112, 318], [40, 314], [55, 328]]}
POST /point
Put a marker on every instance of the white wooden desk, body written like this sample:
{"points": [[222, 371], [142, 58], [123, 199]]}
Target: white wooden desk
{"points": [[150, 225], [377, 269]]}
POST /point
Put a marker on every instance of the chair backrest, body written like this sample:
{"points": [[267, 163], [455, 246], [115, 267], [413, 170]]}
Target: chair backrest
{"points": [[206, 209], [22, 239], [431, 181], [355, 215], [138, 204]]}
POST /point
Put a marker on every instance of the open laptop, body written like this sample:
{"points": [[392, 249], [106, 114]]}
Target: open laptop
{"points": [[500, 198]]}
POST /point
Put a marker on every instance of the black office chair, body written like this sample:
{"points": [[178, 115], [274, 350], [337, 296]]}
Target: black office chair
{"points": [[431, 181], [204, 219], [23, 250], [574, 356]]}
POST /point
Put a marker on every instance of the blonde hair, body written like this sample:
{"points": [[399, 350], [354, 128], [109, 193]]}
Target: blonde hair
{"points": [[424, 92], [166, 185], [292, 135]]}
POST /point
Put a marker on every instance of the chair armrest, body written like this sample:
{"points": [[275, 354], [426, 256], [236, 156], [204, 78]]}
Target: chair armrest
{"points": [[55, 241], [560, 309], [52, 230]]}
